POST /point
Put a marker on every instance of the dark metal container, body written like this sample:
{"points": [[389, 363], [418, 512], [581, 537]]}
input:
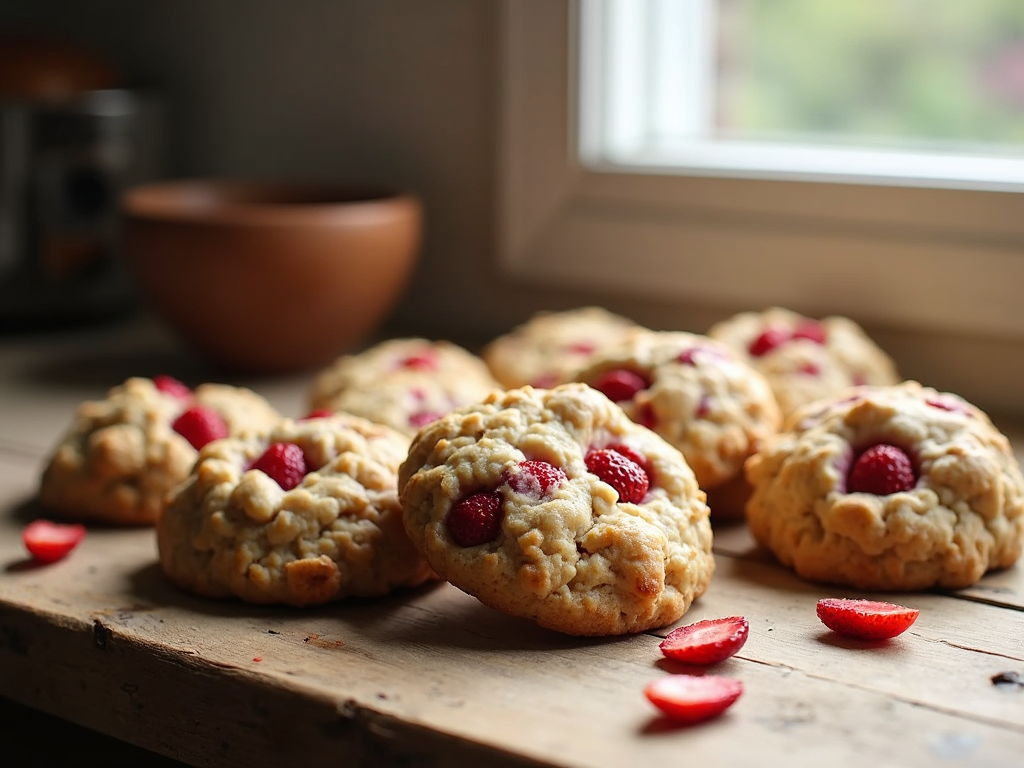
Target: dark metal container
{"points": [[63, 167]]}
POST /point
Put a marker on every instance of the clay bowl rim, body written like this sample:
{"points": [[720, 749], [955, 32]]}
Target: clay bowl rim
{"points": [[261, 202]]}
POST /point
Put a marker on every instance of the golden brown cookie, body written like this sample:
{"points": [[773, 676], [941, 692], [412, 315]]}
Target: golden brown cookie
{"points": [[306, 514], [123, 454], [889, 488], [554, 506], [805, 359], [694, 392], [551, 346], [403, 383]]}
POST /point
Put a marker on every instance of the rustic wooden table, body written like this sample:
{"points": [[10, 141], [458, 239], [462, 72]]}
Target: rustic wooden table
{"points": [[431, 677]]}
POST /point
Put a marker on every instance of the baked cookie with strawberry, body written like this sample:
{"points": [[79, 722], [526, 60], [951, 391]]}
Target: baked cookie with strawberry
{"points": [[121, 455], [803, 358], [697, 394], [403, 383], [889, 488], [305, 514], [550, 347], [552, 505]]}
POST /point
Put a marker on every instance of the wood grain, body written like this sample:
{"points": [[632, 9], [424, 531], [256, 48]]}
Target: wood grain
{"points": [[430, 677]]}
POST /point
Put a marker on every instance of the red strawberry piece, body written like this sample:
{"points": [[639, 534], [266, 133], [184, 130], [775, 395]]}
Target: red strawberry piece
{"points": [[693, 698], [945, 404], [630, 453], [619, 384], [882, 469], [582, 347], [689, 356], [810, 369], [646, 416], [636, 457], [703, 406], [534, 478], [284, 463], [422, 418], [476, 519], [171, 386], [865, 619], [810, 329], [768, 340], [420, 361], [49, 542], [706, 642], [200, 425], [624, 475], [318, 413]]}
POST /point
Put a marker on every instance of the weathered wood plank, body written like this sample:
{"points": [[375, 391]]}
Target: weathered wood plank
{"points": [[432, 675]]}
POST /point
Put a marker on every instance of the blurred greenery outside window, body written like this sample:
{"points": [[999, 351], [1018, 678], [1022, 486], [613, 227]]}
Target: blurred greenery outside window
{"points": [[899, 91]]}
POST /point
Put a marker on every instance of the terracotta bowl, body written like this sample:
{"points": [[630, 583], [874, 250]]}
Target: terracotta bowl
{"points": [[270, 277]]}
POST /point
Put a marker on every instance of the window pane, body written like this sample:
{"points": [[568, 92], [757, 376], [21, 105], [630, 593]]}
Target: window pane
{"points": [[931, 75]]}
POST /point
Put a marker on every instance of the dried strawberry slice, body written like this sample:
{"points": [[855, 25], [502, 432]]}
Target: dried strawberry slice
{"points": [[865, 619], [284, 463], [49, 542], [171, 386], [475, 520], [693, 698], [534, 478], [200, 425], [706, 642], [627, 477], [620, 384]]}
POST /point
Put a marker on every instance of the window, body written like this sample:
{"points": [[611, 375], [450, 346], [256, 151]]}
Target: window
{"points": [[905, 92], [606, 194]]}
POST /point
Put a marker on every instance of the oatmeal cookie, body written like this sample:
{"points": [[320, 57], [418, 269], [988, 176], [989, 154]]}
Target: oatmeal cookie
{"points": [[304, 515], [554, 506], [123, 454], [551, 346], [403, 383], [889, 488], [806, 359], [694, 392]]}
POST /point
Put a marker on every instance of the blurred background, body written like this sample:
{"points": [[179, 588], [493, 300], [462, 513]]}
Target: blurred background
{"points": [[399, 93], [406, 94]]}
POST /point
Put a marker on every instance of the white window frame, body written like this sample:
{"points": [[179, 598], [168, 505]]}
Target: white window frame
{"points": [[941, 259]]}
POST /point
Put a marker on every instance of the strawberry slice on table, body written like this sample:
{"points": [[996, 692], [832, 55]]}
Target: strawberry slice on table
{"points": [[865, 619], [693, 698], [706, 642], [49, 542]]}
